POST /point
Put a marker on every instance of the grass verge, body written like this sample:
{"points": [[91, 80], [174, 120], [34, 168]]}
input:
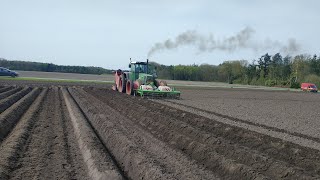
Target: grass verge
{"points": [[54, 80]]}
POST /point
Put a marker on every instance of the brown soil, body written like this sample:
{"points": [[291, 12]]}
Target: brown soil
{"points": [[239, 153], [295, 112], [81, 132], [49, 149]]}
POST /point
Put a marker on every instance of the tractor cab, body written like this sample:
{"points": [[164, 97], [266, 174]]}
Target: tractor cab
{"points": [[138, 70], [139, 67]]}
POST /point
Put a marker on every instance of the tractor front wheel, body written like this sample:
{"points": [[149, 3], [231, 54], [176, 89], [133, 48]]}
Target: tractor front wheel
{"points": [[129, 87]]}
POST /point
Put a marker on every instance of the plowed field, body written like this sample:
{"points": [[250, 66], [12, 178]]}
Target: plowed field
{"points": [[83, 132]]}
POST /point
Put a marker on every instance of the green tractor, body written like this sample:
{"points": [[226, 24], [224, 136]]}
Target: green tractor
{"points": [[140, 82]]}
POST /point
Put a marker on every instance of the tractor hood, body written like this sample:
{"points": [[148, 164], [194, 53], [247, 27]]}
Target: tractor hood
{"points": [[144, 75]]}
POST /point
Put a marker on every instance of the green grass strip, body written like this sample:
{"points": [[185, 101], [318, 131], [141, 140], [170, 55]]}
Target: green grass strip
{"points": [[54, 80]]}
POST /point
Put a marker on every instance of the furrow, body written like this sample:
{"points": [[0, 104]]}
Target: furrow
{"points": [[254, 138], [13, 145], [183, 137], [99, 163], [11, 116], [140, 154], [6, 88], [216, 114], [50, 151], [7, 102], [208, 136], [9, 93]]}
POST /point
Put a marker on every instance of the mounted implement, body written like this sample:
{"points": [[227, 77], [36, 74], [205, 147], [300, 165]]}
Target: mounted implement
{"points": [[139, 82]]}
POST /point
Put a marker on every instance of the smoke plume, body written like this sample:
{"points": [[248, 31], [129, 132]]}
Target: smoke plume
{"points": [[208, 43]]}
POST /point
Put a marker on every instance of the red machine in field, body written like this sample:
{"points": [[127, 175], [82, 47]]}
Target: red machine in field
{"points": [[309, 87]]}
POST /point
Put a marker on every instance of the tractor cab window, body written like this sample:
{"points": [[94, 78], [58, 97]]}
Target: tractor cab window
{"points": [[141, 68]]}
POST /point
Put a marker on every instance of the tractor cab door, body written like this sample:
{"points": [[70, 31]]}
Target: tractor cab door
{"points": [[134, 72]]}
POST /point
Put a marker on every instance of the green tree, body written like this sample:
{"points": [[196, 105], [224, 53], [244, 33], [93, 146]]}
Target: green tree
{"points": [[276, 67], [264, 62]]}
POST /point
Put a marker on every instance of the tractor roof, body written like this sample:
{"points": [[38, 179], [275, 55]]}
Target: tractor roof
{"points": [[137, 62]]}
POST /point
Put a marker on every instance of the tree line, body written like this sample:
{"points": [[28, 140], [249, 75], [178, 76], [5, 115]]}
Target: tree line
{"points": [[49, 67], [268, 70]]}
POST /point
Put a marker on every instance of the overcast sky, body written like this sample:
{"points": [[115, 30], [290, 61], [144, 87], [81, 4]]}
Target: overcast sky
{"points": [[107, 33]]}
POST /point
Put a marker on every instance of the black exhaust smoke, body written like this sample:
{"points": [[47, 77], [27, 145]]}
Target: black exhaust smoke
{"points": [[208, 43]]}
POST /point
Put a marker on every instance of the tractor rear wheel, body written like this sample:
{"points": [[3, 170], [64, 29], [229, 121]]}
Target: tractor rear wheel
{"points": [[129, 87], [122, 84]]}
